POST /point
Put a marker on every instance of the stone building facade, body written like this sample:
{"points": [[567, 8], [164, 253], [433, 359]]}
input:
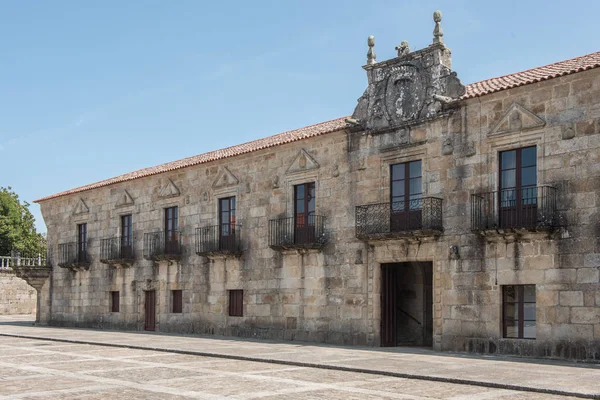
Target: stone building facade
{"points": [[465, 218]]}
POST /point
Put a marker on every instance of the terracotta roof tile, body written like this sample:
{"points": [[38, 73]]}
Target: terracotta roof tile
{"points": [[271, 141], [533, 75], [477, 89]]}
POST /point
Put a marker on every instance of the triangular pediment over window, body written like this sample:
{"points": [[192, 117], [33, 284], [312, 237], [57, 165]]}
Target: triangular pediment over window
{"points": [[302, 162], [81, 208], [517, 118], [169, 189], [225, 179], [124, 200]]}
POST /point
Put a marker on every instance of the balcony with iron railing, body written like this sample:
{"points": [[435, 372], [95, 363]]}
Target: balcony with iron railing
{"points": [[117, 251], [162, 246], [219, 241], [73, 255], [527, 209], [300, 233], [420, 217]]}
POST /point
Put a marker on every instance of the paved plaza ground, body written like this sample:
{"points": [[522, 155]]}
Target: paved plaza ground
{"points": [[59, 363]]}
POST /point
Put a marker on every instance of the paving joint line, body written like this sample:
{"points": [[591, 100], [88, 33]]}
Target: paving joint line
{"points": [[458, 381]]}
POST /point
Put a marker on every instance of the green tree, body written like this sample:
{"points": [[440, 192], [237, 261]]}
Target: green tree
{"points": [[17, 226]]}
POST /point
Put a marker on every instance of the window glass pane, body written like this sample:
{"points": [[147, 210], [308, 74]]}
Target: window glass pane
{"points": [[512, 329], [511, 294], [397, 171], [529, 330], [300, 192], [528, 157], [509, 179], [311, 205], [300, 206], [511, 311], [415, 186], [529, 311], [415, 169], [529, 293], [508, 159], [224, 204], [528, 176], [398, 188], [232, 204]]}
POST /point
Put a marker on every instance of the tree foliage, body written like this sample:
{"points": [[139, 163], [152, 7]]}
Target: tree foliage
{"points": [[17, 226]]}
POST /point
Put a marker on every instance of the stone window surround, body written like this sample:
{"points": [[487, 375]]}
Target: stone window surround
{"points": [[513, 141], [298, 178], [231, 191]]}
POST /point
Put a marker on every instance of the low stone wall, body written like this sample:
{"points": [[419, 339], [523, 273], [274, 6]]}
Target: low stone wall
{"points": [[16, 296]]}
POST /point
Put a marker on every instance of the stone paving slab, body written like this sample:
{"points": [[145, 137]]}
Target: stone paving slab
{"points": [[540, 376]]}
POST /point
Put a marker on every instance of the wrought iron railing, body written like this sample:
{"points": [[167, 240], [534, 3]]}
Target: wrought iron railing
{"points": [[218, 239], [119, 248], [73, 254], [162, 245], [516, 208], [300, 232], [399, 218]]}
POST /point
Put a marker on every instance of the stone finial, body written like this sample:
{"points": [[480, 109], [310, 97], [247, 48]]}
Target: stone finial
{"points": [[403, 48], [438, 33], [371, 57]]}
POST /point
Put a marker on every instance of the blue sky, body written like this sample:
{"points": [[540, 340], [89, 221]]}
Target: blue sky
{"points": [[91, 90]]}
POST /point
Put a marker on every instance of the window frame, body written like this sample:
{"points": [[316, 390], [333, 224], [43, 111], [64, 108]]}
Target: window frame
{"points": [[82, 241], [519, 303], [177, 301], [115, 306], [236, 302], [127, 230]]}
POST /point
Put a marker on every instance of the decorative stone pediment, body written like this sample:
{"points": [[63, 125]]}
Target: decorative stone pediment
{"points": [[302, 162], [517, 118], [124, 200], [225, 179], [81, 208], [168, 190], [411, 87]]}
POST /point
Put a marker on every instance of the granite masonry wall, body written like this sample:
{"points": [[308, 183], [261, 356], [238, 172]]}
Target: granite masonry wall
{"points": [[16, 296]]}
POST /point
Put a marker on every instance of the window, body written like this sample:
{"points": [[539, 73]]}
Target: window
{"points": [[114, 303], [518, 303], [518, 190], [227, 223], [171, 230], [304, 213], [177, 301], [126, 237], [405, 196], [236, 303], [81, 242]]}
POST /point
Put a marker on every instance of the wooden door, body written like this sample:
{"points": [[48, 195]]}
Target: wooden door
{"points": [[405, 196], [227, 224], [150, 306], [304, 213], [518, 190], [389, 304]]}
